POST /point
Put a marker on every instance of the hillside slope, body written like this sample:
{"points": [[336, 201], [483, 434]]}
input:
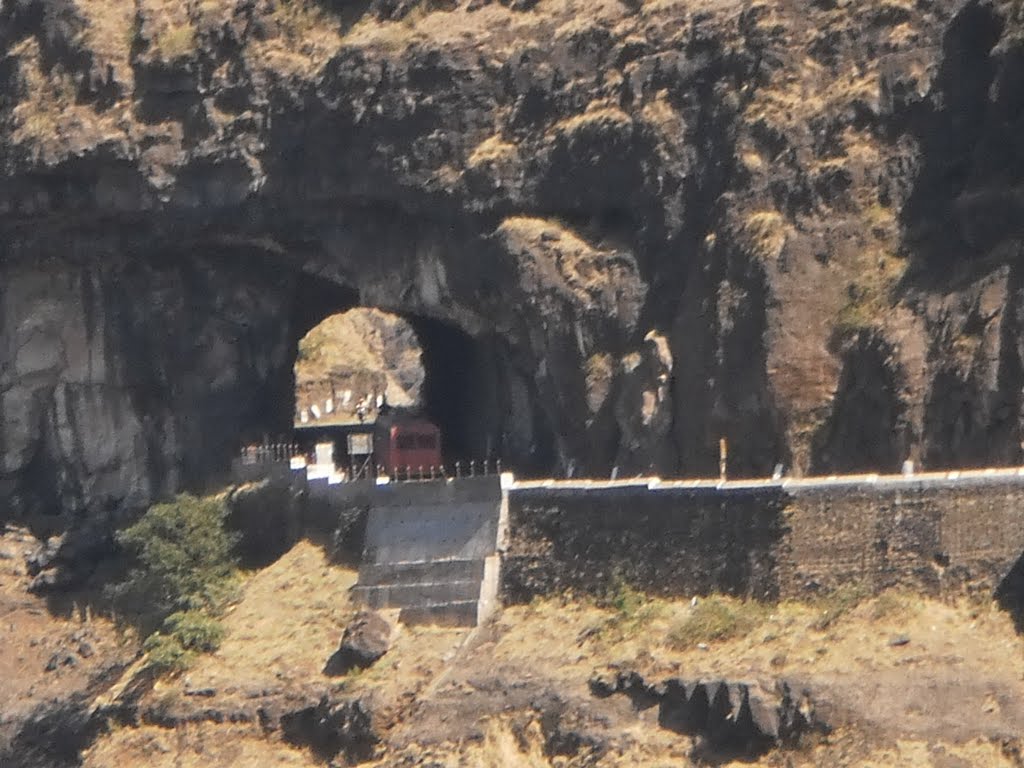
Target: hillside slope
{"points": [[895, 680]]}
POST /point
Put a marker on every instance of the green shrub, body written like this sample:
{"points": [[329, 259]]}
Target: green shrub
{"points": [[166, 654], [184, 555], [195, 631], [631, 612], [624, 599], [716, 619], [184, 575]]}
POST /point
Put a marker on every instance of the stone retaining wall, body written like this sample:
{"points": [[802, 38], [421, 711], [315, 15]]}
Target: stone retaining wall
{"points": [[935, 537], [669, 541], [763, 540]]}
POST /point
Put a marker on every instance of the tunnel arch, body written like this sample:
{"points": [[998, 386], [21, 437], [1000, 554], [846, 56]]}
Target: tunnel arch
{"points": [[473, 389]]}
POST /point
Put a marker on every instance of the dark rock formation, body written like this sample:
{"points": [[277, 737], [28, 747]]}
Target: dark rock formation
{"points": [[365, 640], [738, 720], [814, 207], [68, 560], [56, 732], [329, 728], [268, 518]]}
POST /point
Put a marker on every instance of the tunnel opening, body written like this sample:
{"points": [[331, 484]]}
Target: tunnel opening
{"points": [[357, 365], [458, 391], [353, 363]]}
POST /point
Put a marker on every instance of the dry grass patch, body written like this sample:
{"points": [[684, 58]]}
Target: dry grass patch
{"points": [[41, 116], [598, 116], [502, 749], [765, 233], [303, 37], [175, 42], [833, 606], [716, 619], [895, 605], [870, 290], [203, 745], [286, 624], [493, 149], [110, 32]]}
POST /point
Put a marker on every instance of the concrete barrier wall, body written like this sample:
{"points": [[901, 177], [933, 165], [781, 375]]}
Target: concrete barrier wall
{"points": [[935, 537], [465, 489], [764, 540], [330, 505], [670, 541], [275, 471], [413, 522]]}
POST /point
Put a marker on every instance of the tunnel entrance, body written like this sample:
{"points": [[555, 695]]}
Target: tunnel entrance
{"points": [[478, 389], [459, 391], [360, 364]]}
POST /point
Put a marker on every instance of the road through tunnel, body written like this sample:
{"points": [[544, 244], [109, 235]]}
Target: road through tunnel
{"points": [[350, 358]]}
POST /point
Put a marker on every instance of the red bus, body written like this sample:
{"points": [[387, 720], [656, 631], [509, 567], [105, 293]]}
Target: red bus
{"points": [[406, 443]]}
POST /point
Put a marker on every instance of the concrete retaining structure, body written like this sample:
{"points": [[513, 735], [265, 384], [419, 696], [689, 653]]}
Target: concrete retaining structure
{"points": [[937, 532], [441, 551], [664, 540], [430, 550]]}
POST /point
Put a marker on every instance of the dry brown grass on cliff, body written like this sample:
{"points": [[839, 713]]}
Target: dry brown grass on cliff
{"points": [[110, 32], [51, 117], [502, 749], [303, 35], [34, 630], [284, 627], [493, 149], [765, 232], [175, 42], [198, 746], [597, 116]]}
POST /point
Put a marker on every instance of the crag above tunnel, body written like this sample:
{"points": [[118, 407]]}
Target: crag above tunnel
{"points": [[647, 225]]}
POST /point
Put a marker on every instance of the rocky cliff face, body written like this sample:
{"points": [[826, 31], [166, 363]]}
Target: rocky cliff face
{"points": [[622, 229]]}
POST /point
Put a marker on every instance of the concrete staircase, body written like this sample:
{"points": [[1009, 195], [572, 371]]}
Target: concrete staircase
{"points": [[443, 592], [431, 551]]}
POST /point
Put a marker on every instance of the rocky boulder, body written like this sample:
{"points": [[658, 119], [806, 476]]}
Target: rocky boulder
{"points": [[329, 728], [365, 640]]}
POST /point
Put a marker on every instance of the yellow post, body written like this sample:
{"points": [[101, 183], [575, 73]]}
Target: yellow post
{"points": [[723, 456]]}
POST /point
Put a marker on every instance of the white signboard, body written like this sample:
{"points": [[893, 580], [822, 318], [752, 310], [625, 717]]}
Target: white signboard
{"points": [[360, 444], [325, 454]]}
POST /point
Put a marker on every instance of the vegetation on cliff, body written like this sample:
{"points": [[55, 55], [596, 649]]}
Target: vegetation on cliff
{"points": [[185, 574]]}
